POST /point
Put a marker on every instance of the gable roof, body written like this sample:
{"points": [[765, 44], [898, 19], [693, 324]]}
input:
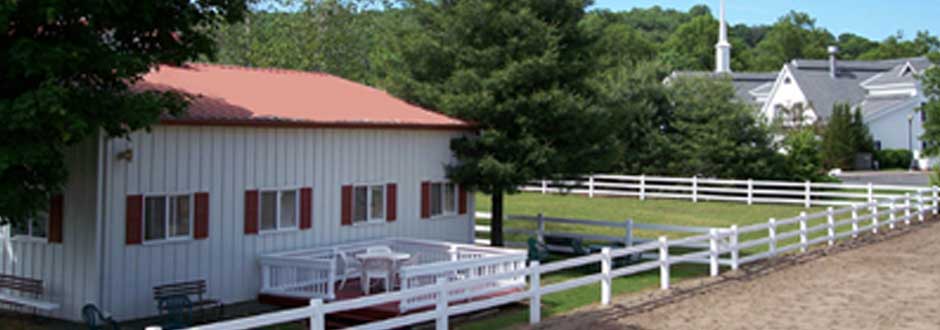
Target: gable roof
{"points": [[824, 91], [230, 95], [744, 82], [896, 76]]}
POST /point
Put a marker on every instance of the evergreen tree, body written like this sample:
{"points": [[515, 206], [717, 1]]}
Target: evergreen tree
{"points": [[519, 70], [839, 139]]}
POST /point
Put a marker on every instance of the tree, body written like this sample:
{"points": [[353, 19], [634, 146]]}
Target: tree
{"points": [[517, 69], [930, 82], [896, 47], [67, 68], [852, 46], [347, 38], [713, 134], [793, 36], [844, 136], [803, 162]]}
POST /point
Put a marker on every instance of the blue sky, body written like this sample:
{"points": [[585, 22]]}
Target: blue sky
{"points": [[874, 19]]}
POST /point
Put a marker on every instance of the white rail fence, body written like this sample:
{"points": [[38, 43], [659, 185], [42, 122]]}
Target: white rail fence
{"points": [[708, 189], [627, 230], [788, 235]]}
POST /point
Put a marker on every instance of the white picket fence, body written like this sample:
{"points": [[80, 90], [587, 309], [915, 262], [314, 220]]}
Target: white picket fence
{"points": [[783, 236], [709, 189]]}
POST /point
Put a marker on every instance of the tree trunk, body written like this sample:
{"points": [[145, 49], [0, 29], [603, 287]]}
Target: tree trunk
{"points": [[496, 224]]}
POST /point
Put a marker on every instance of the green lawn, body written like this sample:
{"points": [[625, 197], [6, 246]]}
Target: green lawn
{"points": [[659, 211]]}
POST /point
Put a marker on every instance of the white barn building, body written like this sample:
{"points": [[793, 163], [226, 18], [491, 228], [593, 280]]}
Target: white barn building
{"points": [[265, 161]]}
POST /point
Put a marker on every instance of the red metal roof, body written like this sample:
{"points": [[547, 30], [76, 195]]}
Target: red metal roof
{"points": [[230, 95]]}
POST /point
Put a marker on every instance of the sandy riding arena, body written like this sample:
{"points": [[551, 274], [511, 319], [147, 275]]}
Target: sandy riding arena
{"points": [[889, 281]]}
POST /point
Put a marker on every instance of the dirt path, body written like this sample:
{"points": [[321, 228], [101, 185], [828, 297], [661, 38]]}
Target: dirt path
{"points": [[886, 282]]}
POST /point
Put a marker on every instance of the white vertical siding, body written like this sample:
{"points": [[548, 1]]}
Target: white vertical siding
{"points": [[225, 161], [68, 270]]}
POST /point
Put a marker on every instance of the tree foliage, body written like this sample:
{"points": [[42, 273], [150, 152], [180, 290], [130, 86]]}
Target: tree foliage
{"points": [[519, 70], [930, 82], [67, 67], [844, 136]]}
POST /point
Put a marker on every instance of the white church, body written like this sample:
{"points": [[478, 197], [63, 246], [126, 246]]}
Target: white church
{"points": [[804, 92]]}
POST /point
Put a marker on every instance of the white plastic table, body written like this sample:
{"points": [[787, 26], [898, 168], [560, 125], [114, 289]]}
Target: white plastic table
{"points": [[395, 257]]}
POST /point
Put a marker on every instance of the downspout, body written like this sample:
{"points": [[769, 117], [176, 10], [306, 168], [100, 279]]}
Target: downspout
{"points": [[100, 214]]}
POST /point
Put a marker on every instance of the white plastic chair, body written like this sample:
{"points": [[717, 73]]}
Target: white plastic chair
{"points": [[345, 267], [377, 268]]}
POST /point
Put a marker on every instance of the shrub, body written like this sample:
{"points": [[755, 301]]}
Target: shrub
{"points": [[893, 158]]}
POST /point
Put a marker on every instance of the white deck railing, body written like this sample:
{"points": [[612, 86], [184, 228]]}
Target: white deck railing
{"points": [[312, 273], [785, 236], [709, 189]]}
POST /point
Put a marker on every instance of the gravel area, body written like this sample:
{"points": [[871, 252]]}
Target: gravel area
{"points": [[885, 281]]}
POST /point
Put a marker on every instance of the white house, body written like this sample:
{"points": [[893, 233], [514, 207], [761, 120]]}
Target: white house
{"points": [[887, 92], [265, 161]]}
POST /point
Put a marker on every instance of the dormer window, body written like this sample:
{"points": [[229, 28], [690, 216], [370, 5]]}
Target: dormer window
{"points": [[907, 70]]}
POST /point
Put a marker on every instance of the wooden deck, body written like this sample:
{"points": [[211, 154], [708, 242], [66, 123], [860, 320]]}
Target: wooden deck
{"points": [[360, 316]]}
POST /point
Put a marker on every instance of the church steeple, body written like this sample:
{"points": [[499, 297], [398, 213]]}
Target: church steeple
{"points": [[723, 48]]}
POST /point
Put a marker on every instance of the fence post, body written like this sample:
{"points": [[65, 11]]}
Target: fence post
{"points": [[694, 189], [642, 187], [772, 234], [605, 282], [936, 201], [663, 263], [854, 220], [750, 191], [802, 231], [591, 186], [808, 201], [920, 206], [535, 295], [441, 307], [871, 193], [907, 208], [892, 218], [874, 218], [317, 320], [713, 248], [544, 187], [735, 252], [540, 230], [831, 221], [628, 233]]}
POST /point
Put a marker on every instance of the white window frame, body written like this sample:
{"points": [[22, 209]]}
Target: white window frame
{"points": [[166, 216], [29, 235], [369, 219], [444, 212], [278, 228]]}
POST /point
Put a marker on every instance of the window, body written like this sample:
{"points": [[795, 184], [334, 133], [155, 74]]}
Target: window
{"points": [[443, 199], [168, 217], [368, 203], [787, 81], [279, 209], [37, 227]]}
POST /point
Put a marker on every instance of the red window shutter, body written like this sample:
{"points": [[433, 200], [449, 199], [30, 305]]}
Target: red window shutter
{"points": [[201, 226], [391, 202], [346, 217], [306, 209], [425, 200], [251, 212], [134, 227], [55, 219], [462, 199]]}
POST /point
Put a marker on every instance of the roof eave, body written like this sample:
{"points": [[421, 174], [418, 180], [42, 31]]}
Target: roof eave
{"points": [[463, 126]]}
